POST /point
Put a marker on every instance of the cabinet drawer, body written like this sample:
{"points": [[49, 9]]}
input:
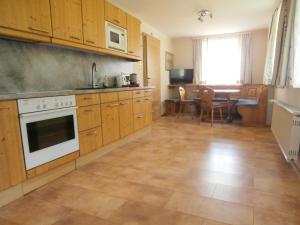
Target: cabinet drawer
{"points": [[109, 97], [90, 140], [90, 99], [124, 95], [88, 117], [138, 106], [139, 121], [147, 93], [138, 94]]}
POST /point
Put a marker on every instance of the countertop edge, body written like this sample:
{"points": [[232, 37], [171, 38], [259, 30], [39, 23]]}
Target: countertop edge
{"points": [[16, 96]]}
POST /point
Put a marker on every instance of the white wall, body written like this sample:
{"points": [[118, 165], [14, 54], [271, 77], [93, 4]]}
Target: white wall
{"points": [[183, 50], [165, 45]]}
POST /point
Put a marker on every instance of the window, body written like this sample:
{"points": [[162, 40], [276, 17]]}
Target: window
{"points": [[221, 60]]}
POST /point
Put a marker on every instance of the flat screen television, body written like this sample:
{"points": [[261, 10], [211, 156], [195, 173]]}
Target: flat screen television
{"points": [[181, 76]]}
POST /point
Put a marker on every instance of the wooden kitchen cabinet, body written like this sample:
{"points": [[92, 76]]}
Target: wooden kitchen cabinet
{"points": [[138, 106], [90, 140], [133, 36], [148, 111], [26, 15], [12, 169], [67, 20], [139, 121], [88, 117], [126, 118], [115, 15], [88, 99], [93, 22], [110, 122]]}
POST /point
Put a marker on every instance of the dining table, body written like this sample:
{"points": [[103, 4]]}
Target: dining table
{"points": [[227, 93]]}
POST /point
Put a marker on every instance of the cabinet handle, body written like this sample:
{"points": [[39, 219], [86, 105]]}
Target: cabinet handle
{"points": [[140, 116], [117, 21], [123, 103], [4, 109], [131, 52], [34, 29], [3, 139], [137, 100], [73, 37], [92, 133], [88, 110], [87, 98], [113, 105], [90, 41]]}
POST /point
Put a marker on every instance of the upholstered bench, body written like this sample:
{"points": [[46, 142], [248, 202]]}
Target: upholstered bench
{"points": [[252, 107]]}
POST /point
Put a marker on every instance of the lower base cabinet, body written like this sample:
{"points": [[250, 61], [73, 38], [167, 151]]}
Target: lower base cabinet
{"points": [[110, 122], [126, 118], [12, 169], [90, 140], [139, 121], [148, 111]]}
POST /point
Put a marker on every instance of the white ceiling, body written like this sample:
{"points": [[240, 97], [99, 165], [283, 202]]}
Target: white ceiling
{"points": [[178, 18]]}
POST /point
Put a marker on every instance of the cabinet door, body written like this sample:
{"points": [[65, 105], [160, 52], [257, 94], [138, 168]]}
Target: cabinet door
{"points": [[90, 140], [39, 20], [126, 118], [67, 20], [93, 22], [12, 170], [139, 121], [88, 117], [115, 15], [133, 36], [13, 14], [138, 106], [148, 111], [110, 122]]}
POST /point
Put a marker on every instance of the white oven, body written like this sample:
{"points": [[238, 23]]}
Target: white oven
{"points": [[116, 37], [49, 128]]}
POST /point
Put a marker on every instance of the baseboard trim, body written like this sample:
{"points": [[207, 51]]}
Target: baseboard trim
{"points": [[11, 194]]}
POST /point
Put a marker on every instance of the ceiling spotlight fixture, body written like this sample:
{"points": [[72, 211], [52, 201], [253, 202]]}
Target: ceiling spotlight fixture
{"points": [[203, 13]]}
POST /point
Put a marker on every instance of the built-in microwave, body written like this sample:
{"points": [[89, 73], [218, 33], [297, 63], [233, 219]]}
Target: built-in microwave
{"points": [[116, 37]]}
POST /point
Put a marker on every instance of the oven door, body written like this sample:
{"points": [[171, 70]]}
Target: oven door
{"points": [[48, 135]]}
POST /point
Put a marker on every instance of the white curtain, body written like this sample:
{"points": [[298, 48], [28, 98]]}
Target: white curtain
{"points": [[197, 45], [274, 46], [296, 47], [246, 59]]}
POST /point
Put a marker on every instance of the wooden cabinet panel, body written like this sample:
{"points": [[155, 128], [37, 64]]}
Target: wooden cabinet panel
{"points": [[139, 121], [124, 95], [110, 122], [88, 99], [138, 94], [138, 106], [26, 15], [88, 117], [90, 140], [12, 169], [133, 36], [109, 97], [93, 22], [148, 93], [148, 111], [126, 118], [67, 20], [115, 15], [39, 19]]}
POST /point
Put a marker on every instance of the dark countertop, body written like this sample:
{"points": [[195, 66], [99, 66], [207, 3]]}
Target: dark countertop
{"points": [[14, 96]]}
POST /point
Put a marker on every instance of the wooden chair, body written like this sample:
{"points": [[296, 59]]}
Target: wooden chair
{"points": [[209, 106], [183, 102]]}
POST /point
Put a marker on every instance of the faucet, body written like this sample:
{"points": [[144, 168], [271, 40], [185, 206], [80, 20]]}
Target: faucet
{"points": [[94, 69]]}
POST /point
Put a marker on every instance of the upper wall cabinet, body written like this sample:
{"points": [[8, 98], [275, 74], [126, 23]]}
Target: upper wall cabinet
{"points": [[93, 22], [26, 15], [67, 20], [115, 15], [133, 35]]}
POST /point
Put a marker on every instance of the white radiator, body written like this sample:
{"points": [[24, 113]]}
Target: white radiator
{"points": [[286, 129]]}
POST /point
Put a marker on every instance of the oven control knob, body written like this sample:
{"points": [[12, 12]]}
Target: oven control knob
{"points": [[61, 104], [71, 103], [44, 106], [38, 107], [56, 105], [66, 104]]}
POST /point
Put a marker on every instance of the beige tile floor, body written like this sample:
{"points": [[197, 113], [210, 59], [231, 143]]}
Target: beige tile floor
{"points": [[182, 173]]}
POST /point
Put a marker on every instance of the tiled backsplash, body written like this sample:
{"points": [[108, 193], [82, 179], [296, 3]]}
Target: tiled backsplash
{"points": [[29, 67]]}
